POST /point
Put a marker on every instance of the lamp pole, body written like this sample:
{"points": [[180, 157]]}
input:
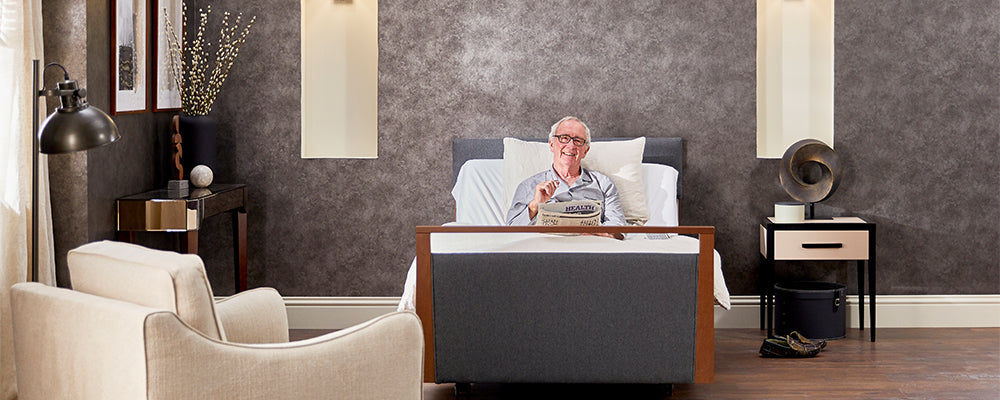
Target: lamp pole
{"points": [[35, 94]]}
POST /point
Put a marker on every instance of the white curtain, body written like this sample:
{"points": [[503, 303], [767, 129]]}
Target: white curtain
{"points": [[20, 42]]}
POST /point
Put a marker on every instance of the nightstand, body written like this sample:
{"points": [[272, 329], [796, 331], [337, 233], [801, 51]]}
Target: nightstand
{"points": [[838, 238]]}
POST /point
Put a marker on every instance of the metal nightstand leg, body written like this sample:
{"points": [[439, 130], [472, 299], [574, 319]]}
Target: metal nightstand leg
{"points": [[861, 294], [871, 279], [769, 294], [871, 287], [761, 287]]}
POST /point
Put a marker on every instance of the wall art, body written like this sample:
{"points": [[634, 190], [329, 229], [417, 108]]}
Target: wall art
{"points": [[168, 94], [128, 56]]}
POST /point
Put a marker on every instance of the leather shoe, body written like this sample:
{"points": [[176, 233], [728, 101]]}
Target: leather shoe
{"points": [[787, 348], [815, 342]]}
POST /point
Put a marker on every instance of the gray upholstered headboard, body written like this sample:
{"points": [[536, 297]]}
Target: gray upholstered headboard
{"points": [[659, 150]]}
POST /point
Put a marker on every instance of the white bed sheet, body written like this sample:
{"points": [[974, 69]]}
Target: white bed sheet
{"points": [[548, 243]]}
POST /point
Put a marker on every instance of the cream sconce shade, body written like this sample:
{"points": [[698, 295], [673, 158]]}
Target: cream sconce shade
{"points": [[339, 67], [794, 74]]}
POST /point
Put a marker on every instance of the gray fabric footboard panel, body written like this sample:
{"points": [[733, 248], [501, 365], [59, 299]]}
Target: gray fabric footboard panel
{"points": [[564, 318]]}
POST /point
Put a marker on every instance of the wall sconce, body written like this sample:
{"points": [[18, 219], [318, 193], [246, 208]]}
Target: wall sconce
{"points": [[794, 74], [339, 74]]}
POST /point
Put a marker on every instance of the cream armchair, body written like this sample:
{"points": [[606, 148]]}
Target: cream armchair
{"points": [[72, 345], [142, 323]]}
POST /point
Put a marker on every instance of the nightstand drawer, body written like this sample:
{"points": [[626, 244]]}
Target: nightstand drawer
{"points": [[817, 245]]}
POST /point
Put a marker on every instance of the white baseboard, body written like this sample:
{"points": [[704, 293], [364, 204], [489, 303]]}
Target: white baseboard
{"points": [[335, 312], [924, 311], [930, 311]]}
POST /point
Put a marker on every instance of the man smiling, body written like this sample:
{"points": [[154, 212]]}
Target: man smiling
{"points": [[569, 141]]}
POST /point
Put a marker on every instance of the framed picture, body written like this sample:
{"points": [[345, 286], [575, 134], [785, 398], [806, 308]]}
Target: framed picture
{"points": [[168, 94], [128, 56]]}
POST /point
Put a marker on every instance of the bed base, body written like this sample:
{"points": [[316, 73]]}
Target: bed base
{"points": [[704, 360]]}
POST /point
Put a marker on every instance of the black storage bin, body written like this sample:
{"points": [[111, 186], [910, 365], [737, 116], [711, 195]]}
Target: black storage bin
{"points": [[817, 310]]}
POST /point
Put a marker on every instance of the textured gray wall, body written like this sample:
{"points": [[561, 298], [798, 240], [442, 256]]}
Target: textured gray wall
{"points": [[916, 123], [917, 117]]}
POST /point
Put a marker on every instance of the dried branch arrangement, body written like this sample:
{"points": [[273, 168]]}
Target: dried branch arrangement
{"points": [[199, 77]]}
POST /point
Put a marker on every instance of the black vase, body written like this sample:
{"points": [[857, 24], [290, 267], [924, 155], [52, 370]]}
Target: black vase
{"points": [[198, 142]]}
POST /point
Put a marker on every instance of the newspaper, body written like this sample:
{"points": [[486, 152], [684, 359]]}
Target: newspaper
{"points": [[579, 212]]}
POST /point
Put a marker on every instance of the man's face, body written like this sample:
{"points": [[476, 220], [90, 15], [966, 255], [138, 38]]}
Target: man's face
{"points": [[569, 154]]}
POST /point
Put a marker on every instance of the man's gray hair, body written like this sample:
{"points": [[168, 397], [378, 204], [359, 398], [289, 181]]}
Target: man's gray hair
{"points": [[586, 129]]}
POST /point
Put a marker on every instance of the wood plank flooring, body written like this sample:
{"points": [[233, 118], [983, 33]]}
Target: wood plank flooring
{"points": [[939, 363]]}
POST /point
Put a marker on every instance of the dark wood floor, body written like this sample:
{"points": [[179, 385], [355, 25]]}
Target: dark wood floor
{"points": [[953, 363]]}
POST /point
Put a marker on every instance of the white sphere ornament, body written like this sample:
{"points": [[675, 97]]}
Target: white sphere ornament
{"points": [[201, 176]]}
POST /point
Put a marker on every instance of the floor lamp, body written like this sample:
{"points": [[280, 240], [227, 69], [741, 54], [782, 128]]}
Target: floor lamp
{"points": [[74, 126]]}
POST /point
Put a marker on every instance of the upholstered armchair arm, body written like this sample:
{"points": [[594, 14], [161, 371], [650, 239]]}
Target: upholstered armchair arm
{"points": [[378, 359], [254, 316], [71, 345]]}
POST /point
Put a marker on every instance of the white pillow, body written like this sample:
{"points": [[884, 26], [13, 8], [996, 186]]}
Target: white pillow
{"points": [[619, 160], [521, 160], [622, 162]]}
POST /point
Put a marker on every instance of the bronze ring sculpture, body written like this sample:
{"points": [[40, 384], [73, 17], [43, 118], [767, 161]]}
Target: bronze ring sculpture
{"points": [[804, 155]]}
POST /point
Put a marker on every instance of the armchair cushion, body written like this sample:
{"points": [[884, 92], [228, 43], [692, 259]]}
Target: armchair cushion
{"points": [[153, 278]]}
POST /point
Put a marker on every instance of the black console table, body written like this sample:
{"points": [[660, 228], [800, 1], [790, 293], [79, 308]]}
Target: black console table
{"points": [[163, 211]]}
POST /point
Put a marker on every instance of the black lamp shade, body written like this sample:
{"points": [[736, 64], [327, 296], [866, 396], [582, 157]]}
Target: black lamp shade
{"points": [[77, 128]]}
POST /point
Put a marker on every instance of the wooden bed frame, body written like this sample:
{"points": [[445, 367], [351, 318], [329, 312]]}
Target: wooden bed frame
{"points": [[704, 368]]}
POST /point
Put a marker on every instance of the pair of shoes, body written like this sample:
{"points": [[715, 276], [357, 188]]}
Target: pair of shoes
{"points": [[786, 347], [815, 342]]}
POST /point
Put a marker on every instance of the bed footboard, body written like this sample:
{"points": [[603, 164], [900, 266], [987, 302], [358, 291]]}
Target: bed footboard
{"points": [[566, 334]]}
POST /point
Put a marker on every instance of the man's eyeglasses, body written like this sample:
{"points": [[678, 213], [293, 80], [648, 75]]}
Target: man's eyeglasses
{"points": [[566, 138]]}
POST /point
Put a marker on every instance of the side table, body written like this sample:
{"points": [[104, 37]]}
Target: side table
{"points": [[160, 211], [839, 238]]}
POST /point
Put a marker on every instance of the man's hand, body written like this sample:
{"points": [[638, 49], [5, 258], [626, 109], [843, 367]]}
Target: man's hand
{"points": [[619, 236], [543, 192]]}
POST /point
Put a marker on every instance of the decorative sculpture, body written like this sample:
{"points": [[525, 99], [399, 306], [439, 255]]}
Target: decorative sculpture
{"points": [[201, 176], [175, 139], [810, 171]]}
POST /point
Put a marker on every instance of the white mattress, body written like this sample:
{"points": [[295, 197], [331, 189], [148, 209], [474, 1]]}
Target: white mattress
{"points": [[548, 243]]}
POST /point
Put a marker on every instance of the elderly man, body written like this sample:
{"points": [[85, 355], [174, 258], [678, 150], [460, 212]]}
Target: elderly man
{"points": [[569, 141]]}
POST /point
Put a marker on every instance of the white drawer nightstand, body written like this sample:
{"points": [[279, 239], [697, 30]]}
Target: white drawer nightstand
{"points": [[838, 238]]}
